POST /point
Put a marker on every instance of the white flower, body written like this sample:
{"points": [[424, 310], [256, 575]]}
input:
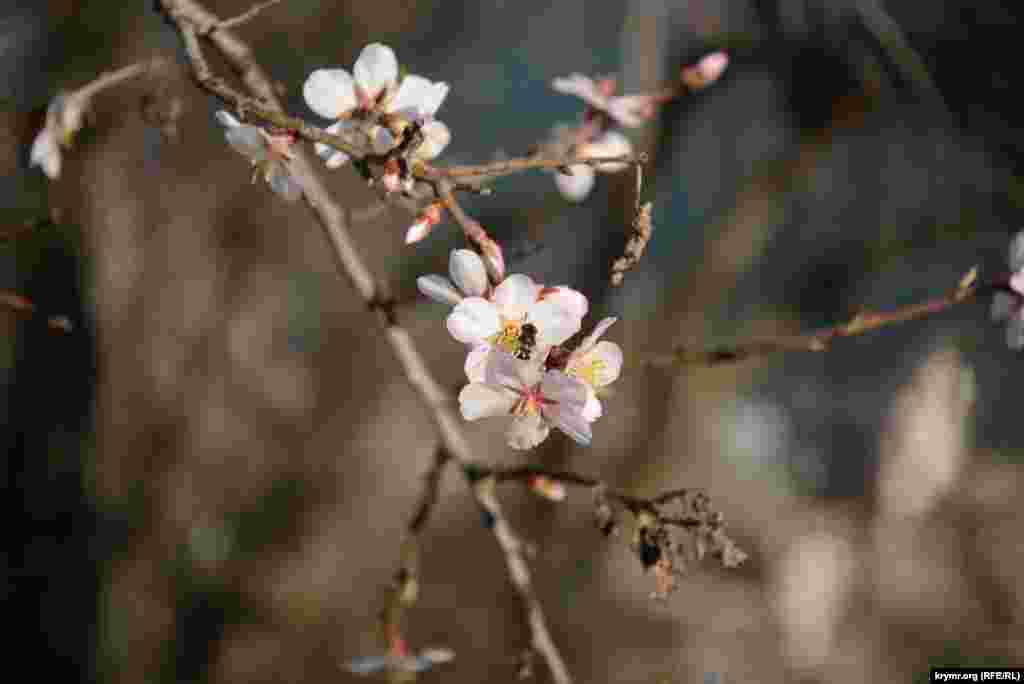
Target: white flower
{"points": [[468, 279], [577, 186], [269, 154], [520, 318], [535, 399], [374, 89], [626, 110], [1008, 305], [597, 365], [63, 120]]}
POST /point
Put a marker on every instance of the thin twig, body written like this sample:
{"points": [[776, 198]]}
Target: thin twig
{"points": [[189, 14], [821, 340], [509, 166], [108, 79], [246, 16]]}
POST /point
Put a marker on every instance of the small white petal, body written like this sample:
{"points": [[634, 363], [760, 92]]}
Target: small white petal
{"points": [[570, 422], [376, 69], [1017, 283], [515, 295], [577, 186], [631, 110], [526, 432], [330, 93], [282, 182], [332, 157], [608, 357], [582, 87], [435, 98], [413, 95], [572, 302], [569, 392], [477, 400], [504, 370], [611, 144], [438, 288], [590, 340], [249, 141], [336, 160], [46, 154], [417, 231], [592, 410], [468, 272], [436, 137], [225, 119], [474, 320], [554, 324], [476, 363]]}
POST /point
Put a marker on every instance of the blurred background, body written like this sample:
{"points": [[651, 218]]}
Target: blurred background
{"points": [[208, 479]]}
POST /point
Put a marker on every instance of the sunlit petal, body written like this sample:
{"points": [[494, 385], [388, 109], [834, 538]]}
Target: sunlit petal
{"points": [[330, 93]]}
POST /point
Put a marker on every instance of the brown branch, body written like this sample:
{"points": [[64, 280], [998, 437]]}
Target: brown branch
{"points": [[237, 21], [188, 15], [510, 166], [81, 96], [475, 233], [821, 340]]}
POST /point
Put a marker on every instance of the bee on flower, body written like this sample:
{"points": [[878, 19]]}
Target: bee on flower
{"points": [[374, 109], [270, 154]]}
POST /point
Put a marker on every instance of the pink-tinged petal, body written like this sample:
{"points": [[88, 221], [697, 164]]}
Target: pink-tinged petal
{"points": [[417, 97], [468, 272], [248, 141], [611, 144], [1016, 255], [473, 321], [1015, 333], [282, 182], [435, 98], [582, 87], [417, 231], [567, 392], [526, 432], [590, 340], [705, 72], [477, 400], [577, 186], [225, 119], [554, 323], [330, 93], [476, 363], [608, 366], [436, 137], [631, 110], [505, 370], [1017, 283], [592, 410], [1003, 306], [515, 295], [46, 154], [572, 301], [439, 289], [376, 69], [571, 422]]}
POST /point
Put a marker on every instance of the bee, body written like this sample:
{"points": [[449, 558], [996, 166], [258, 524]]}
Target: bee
{"points": [[527, 342]]}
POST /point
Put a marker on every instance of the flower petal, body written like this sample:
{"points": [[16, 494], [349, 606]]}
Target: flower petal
{"points": [[473, 321], [476, 363], [330, 93], [526, 432], [248, 141], [436, 137], [571, 301], [282, 182], [608, 363], [567, 392], [582, 87], [571, 422], [417, 97], [468, 272], [438, 288], [46, 154], [590, 340], [554, 323], [477, 400], [515, 295], [376, 69], [577, 186], [631, 110], [1017, 252], [225, 119], [592, 410], [504, 370], [331, 156], [611, 144]]}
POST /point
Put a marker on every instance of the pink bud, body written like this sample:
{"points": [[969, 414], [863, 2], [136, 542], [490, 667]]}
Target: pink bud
{"points": [[425, 221], [547, 488], [705, 72]]}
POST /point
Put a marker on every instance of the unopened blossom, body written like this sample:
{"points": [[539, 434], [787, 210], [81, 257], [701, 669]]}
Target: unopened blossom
{"points": [[468, 278], [370, 93], [630, 111], [578, 185], [705, 72], [597, 364], [1008, 304], [270, 154], [63, 119], [536, 400], [425, 222], [545, 487]]}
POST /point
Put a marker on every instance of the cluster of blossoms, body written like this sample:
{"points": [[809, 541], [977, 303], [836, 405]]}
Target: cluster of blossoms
{"points": [[597, 135], [1008, 301], [517, 365]]}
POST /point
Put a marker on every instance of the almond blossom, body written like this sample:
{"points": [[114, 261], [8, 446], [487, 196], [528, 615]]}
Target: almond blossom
{"points": [[372, 95], [270, 154], [64, 117], [577, 186], [630, 111], [468, 279], [1008, 304], [535, 399], [596, 364]]}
